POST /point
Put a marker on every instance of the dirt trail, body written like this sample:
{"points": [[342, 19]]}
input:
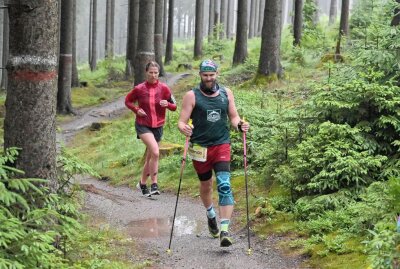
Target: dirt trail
{"points": [[149, 221]]}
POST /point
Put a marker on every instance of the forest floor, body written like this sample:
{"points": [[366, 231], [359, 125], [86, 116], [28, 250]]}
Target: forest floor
{"points": [[148, 221]]}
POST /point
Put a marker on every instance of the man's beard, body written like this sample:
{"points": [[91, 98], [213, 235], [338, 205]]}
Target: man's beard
{"points": [[209, 90]]}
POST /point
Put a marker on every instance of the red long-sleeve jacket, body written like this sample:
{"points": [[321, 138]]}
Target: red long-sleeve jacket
{"points": [[148, 97]]}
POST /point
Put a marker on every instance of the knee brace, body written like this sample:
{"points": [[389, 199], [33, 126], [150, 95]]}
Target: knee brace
{"points": [[224, 188]]}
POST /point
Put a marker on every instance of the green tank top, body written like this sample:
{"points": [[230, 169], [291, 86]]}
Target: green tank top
{"points": [[210, 119]]}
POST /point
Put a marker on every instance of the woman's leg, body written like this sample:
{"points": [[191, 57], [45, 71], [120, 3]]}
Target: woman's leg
{"points": [[153, 154], [146, 169]]}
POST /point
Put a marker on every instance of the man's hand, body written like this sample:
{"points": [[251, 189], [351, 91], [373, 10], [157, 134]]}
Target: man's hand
{"points": [[243, 126], [185, 128]]}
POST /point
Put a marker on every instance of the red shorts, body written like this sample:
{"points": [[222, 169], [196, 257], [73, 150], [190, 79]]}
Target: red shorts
{"points": [[215, 154]]}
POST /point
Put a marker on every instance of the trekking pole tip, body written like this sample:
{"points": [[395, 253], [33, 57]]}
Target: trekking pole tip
{"points": [[169, 251], [249, 251]]}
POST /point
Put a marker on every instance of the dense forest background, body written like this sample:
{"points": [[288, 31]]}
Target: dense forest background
{"points": [[318, 80]]}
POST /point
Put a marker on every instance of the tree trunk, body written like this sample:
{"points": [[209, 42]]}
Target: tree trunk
{"points": [[344, 24], [90, 31], [198, 36], [240, 54], [64, 105], [30, 123], [298, 22], [165, 21], [131, 46], [179, 22], [332, 12], [256, 14], [223, 12], [75, 75], [93, 58], [145, 48], [170, 36], [109, 41], [269, 63], [229, 20], [158, 35], [252, 18], [211, 21], [260, 17], [6, 33], [344, 18], [396, 18], [216, 18]]}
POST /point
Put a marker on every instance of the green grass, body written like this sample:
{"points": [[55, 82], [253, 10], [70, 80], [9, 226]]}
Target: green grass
{"points": [[91, 96]]}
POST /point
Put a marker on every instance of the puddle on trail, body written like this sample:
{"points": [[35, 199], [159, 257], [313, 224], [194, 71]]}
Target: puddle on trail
{"points": [[159, 227]]}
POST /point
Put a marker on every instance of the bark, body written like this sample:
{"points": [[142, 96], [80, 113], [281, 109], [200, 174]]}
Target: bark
{"points": [[344, 18], [229, 20], [198, 36], [93, 56], [396, 18], [90, 32], [252, 18], [64, 105], [260, 17], [6, 33], [158, 35], [298, 22], [179, 21], [145, 48], [269, 63], [223, 12], [332, 12], [131, 46], [29, 122], [211, 21], [109, 42], [240, 53], [165, 21], [216, 18], [75, 75], [344, 24], [170, 36]]}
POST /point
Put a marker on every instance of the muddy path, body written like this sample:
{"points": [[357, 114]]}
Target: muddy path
{"points": [[148, 221]]}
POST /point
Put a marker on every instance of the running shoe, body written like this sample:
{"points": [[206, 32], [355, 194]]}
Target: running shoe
{"points": [[213, 227], [225, 239], [154, 189], [144, 189]]}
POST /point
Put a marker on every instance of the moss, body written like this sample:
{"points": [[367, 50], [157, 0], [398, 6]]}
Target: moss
{"points": [[352, 260]]}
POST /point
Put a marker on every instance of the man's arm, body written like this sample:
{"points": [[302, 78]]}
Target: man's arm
{"points": [[187, 108]]}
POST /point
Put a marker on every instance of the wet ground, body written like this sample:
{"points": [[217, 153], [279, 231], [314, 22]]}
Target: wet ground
{"points": [[149, 221]]}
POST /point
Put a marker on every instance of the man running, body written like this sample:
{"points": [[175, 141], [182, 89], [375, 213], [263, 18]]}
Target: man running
{"points": [[209, 105]]}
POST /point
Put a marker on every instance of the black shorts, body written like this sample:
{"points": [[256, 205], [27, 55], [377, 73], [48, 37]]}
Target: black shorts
{"points": [[142, 129]]}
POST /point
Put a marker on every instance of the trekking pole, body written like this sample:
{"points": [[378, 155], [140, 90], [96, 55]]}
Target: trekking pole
{"points": [[247, 195], [179, 187]]}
